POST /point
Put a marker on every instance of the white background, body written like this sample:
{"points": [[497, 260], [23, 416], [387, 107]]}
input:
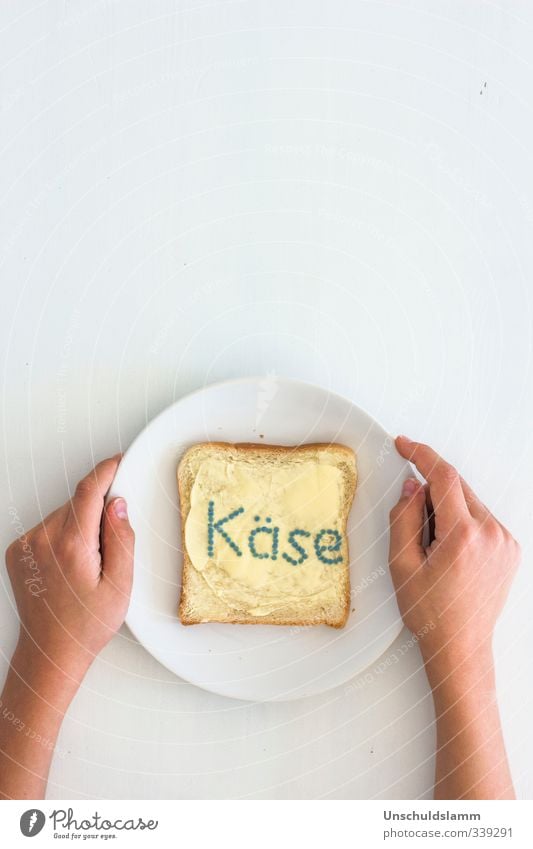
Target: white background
{"points": [[338, 192]]}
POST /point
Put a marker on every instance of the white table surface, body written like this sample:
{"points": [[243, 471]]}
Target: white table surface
{"points": [[339, 192]]}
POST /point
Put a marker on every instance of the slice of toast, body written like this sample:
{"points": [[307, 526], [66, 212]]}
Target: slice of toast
{"points": [[264, 533]]}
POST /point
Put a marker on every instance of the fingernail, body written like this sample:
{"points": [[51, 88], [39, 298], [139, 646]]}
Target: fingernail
{"points": [[120, 508], [409, 487], [405, 438]]}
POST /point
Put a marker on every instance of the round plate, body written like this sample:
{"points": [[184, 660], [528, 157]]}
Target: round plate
{"points": [[260, 662]]}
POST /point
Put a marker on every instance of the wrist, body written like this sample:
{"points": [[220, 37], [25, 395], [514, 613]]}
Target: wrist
{"points": [[456, 673], [53, 677]]}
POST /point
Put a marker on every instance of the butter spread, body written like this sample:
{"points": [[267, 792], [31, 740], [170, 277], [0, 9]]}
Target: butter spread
{"points": [[268, 537]]}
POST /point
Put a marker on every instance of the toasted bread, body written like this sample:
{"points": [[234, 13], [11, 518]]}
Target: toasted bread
{"points": [[264, 533]]}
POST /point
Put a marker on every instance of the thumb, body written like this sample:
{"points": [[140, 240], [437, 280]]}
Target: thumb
{"points": [[406, 526], [118, 541]]}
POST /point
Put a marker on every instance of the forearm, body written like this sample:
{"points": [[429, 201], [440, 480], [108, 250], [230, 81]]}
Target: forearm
{"points": [[471, 761], [33, 703]]}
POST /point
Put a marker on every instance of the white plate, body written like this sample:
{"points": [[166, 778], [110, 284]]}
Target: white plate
{"points": [[260, 662]]}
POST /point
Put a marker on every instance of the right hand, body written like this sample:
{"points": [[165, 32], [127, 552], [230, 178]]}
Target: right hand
{"points": [[452, 591]]}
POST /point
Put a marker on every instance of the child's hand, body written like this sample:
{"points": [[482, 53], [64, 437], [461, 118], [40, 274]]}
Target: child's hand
{"points": [[457, 586], [72, 575], [450, 594]]}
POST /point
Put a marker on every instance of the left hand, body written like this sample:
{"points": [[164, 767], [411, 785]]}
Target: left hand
{"points": [[72, 575]]}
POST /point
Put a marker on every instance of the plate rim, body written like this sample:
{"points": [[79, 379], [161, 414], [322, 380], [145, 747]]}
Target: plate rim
{"points": [[252, 379]]}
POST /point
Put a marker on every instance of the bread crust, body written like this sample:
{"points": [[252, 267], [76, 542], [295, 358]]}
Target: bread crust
{"points": [[185, 482]]}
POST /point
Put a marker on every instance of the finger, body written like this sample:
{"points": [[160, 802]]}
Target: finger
{"points": [[474, 504], [444, 483], [87, 503], [406, 527], [118, 541]]}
